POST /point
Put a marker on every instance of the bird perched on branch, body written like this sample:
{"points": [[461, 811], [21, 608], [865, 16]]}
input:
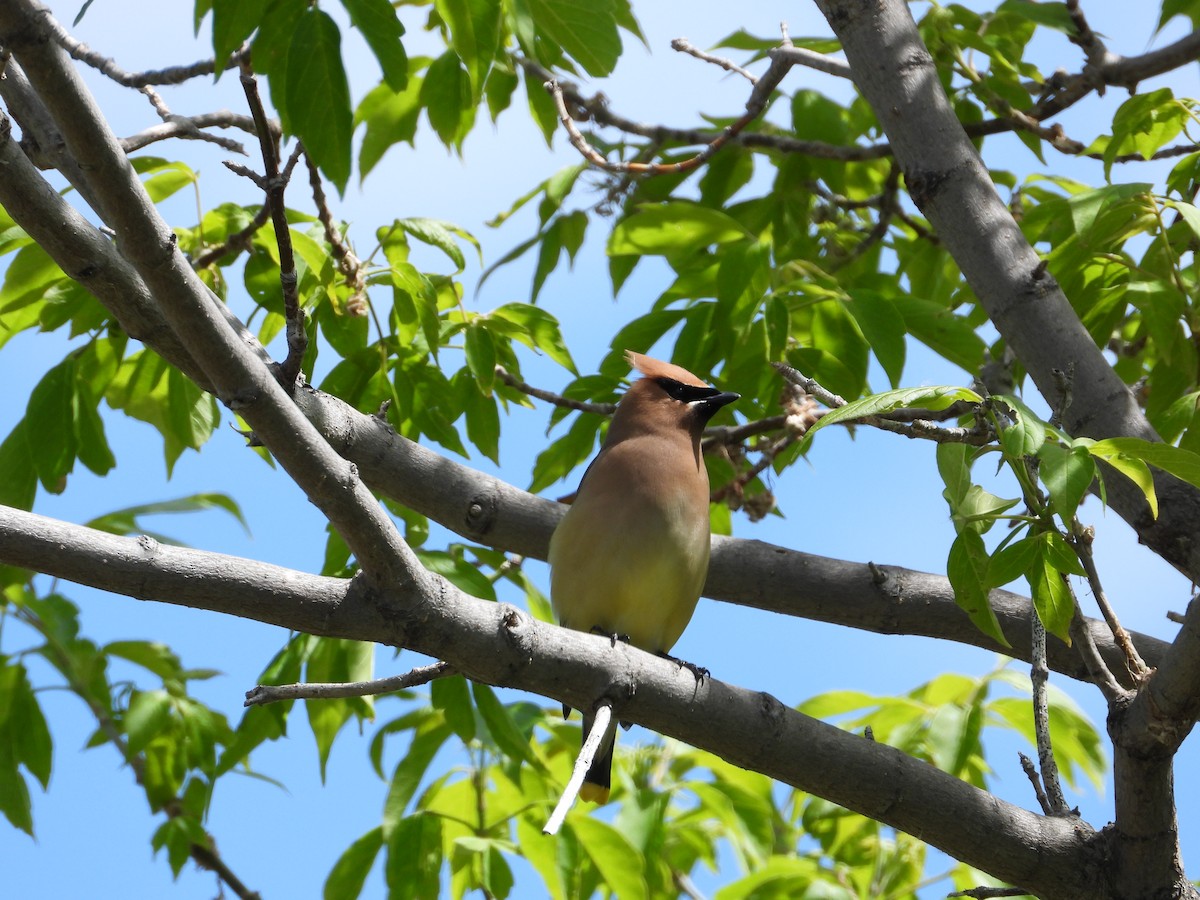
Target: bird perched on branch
{"points": [[630, 556]]}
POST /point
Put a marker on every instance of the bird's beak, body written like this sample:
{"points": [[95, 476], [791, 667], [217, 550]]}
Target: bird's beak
{"points": [[714, 403]]}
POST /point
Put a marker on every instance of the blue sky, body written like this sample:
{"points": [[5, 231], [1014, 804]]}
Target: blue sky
{"points": [[876, 497]]}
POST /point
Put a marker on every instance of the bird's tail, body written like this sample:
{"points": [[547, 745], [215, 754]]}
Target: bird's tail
{"points": [[598, 781]]}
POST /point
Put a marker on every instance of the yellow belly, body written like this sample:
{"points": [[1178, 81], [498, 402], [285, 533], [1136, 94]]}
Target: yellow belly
{"points": [[629, 571]]}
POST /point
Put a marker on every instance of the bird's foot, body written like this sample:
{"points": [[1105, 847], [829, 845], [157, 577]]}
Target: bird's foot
{"points": [[699, 672], [612, 637]]}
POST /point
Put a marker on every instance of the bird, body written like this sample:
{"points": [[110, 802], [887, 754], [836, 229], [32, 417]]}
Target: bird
{"points": [[629, 558]]}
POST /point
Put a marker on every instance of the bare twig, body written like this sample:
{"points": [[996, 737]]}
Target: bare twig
{"points": [[236, 242], [597, 110], [262, 694], [916, 428], [191, 127], [1055, 804], [1095, 51], [801, 56], [1035, 779], [297, 336], [601, 725], [349, 264], [1081, 541], [108, 68], [184, 126], [600, 409], [683, 45]]}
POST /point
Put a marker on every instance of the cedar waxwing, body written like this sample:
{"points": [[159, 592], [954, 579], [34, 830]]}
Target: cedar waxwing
{"points": [[630, 557]]}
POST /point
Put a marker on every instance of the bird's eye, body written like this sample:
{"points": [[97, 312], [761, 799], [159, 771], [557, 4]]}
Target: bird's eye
{"points": [[685, 393]]}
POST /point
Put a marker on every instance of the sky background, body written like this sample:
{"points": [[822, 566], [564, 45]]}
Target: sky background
{"points": [[874, 497]]}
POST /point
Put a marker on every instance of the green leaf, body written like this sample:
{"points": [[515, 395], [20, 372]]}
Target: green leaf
{"points": [[1028, 433], [150, 655], [233, 22], [931, 398], [621, 864], [883, 327], [414, 858], [345, 881], [1051, 598], [674, 227], [1144, 123], [539, 331], [148, 714], [391, 117], [967, 569], [381, 29], [406, 777], [125, 521], [51, 407], [1131, 464], [14, 794], [1012, 562], [28, 732], [501, 726], [474, 35], [441, 235], [942, 331], [1067, 474], [1183, 464], [1051, 15], [481, 355], [18, 473], [1059, 554], [336, 660], [446, 96], [452, 697], [318, 96], [586, 29]]}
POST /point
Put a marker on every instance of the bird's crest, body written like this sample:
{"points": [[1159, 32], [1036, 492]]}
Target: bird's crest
{"points": [[656, 368]]}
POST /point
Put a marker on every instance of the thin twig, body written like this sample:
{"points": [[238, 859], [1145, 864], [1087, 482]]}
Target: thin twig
{"points": [[192, 128], [600, 409], [297, 335], [1083, 641], [104, 65], [596, 109], [683, 45], [350, 265], [236, 242], [916, 428], [1055, 803], [601, 725], [262, 694], [1081, 541], [1095, 51], [1035, 779]]}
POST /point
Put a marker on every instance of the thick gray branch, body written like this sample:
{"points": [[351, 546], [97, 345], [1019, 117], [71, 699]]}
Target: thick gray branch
{"points": [[499, 644], [238, 375], [951, 185]]}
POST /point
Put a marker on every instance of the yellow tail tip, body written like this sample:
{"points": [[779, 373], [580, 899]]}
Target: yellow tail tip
{"points": [[594, 793]]}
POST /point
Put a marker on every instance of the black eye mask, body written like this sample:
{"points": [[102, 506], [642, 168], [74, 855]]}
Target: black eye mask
{"points": [[685, 393]]}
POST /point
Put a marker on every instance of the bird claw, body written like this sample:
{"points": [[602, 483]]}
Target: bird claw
{"points": [[612, 637], [699, 672]]}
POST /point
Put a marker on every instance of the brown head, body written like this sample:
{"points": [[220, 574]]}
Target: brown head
{"points": [[666, 399]]}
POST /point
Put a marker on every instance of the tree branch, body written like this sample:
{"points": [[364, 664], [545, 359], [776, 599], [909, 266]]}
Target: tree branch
{"points": [[262, 694], [498, 644], [236, 372], [951, 186]]}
